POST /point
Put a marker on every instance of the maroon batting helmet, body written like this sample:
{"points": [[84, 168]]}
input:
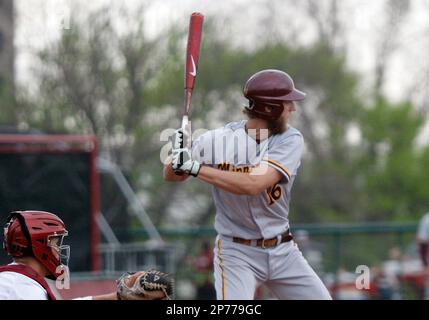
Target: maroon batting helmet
{"points": [[266, 91], [31, 233]]}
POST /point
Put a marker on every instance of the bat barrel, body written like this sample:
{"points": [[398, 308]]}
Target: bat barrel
{"points": [[193, 49], [192, 58]]}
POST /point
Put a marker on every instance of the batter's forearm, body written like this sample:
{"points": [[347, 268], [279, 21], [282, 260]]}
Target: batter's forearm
{"points": [[234, 182], [169, 175]]}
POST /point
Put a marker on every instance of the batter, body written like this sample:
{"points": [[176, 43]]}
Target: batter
{"points": [[252, 165]]}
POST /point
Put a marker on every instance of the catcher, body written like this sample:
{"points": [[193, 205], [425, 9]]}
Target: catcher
{"points": [[34, 240]]}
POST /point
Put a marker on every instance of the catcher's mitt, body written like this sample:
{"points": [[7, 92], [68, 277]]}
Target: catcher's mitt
{"points": [[145, 285]]}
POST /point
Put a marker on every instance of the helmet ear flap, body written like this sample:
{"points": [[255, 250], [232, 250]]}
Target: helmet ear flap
{"points": [[265, 109], [268, 109], [17, 249], [250, 105]]}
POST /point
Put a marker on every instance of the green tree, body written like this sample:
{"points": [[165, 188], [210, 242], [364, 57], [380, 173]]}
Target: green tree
{"points": [[392, 166]]}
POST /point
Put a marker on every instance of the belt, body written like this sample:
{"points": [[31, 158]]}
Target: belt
{"points": [[265, 243]]}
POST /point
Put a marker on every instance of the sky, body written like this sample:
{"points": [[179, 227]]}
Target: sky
{"points": [[39, 22]]}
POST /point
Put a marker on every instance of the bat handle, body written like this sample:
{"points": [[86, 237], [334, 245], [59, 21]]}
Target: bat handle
{"points": [[185, 122], [186, 132], [186, 135]]}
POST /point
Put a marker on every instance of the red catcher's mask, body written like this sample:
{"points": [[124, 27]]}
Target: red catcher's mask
{"points": [[39, 234]]}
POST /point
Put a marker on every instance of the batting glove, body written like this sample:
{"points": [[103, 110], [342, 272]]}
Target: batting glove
{"points": [[183, 163]]}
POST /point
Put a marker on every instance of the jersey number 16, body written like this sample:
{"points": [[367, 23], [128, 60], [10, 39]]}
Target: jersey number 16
{"points": [[274, 193]]}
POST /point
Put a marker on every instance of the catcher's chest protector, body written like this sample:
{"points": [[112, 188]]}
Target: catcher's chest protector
{"points": [[29, 272]]}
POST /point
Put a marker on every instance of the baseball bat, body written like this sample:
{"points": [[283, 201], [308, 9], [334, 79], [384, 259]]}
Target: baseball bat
{"points": [[191, 64]]}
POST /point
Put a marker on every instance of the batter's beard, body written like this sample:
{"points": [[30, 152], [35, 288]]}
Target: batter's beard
{"points": [[277, 126]]}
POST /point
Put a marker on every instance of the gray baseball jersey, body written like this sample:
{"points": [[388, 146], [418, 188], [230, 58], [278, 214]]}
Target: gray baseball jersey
{"points": [[231, 148]]}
